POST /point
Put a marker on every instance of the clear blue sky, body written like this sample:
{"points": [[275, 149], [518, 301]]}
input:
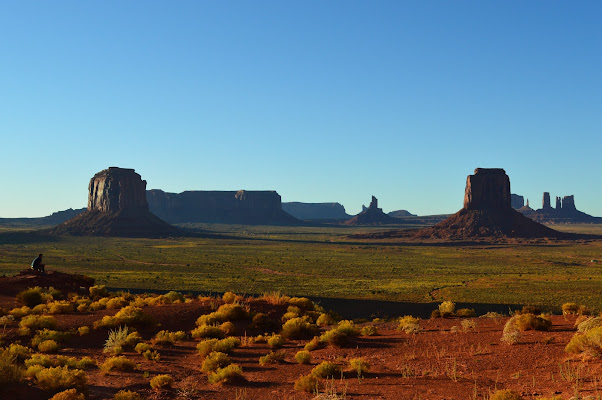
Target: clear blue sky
{"points": [[320, 100]]}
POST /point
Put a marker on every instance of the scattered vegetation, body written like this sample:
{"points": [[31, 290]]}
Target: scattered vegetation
{"points": [[161, 382]]}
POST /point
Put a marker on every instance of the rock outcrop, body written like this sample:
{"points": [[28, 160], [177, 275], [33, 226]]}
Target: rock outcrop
{"points": [[50, 220], [565, 212], [517, 201], [316, 211], [487, 213], [226, 207], [116, 207], [372, 216], [546, 205], [401, 214]]}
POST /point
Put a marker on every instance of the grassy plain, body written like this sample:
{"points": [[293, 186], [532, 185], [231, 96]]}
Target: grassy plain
{"points": [[325, 262]]}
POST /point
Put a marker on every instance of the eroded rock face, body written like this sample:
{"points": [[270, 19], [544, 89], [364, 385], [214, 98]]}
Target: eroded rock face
{"points": [[568, 203], [488, 188], [117, 189], [311, 211], [546, 201], [517, 201]]}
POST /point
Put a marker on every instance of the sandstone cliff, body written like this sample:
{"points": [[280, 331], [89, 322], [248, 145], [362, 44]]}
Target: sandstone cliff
{"points": [[316, 211], [116, 207], [517, 201], [228, 207], [565, 212]]}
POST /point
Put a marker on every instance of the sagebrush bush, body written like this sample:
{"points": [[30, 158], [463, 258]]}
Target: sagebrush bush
{"points": [[151, 355], [120, 363], [409, 324], [326, 369], [570, 308], [369, 330], [98, 291], [83, 330], [10, 371], [116, 303], [589, 324], [215, 360], [161, 382], [325, 320], [207, 331], [264, 322], [128, 315], [468, 325], [302, 302], [142, 347], [588, 343], [229, 374], [126, 395], [48, 346], [303, 357], [31, 297], [19, 352], [307, 383], [275, 341], [228, 328], [20, 312], [49, 334], [175, 297], [511, 333], [168, 338], [59, 378], [211, 319], [36, 322], [60, 307], [298, 328], [313, 344], [466, 313], [69, 394], [233, 312], [272, 357], [229, 297], [359, 365], [447, 308], [528, 321]]}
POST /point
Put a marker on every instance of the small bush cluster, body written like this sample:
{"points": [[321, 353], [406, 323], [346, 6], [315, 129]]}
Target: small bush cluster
{"points": [[223, 346], [409, 324], [505, 394], [215, 360], [359, 365], [126, 395], [229, 374], [272, 357], [31, 297], [298, 328], [119, 363], [303, 357], [588, 343], [529, 321], [369, 330], [161, 382], [128, 315], [10, 371], [69, 394], [59, 378], [168, 338]]}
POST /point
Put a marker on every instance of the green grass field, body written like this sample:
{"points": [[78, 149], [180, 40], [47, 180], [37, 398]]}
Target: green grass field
{"points": [[324, 261]]}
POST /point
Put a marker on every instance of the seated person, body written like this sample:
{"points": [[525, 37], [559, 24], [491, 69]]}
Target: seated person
{"points": [[37, 265]]}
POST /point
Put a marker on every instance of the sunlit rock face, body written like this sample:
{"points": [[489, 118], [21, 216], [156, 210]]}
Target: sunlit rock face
{"points": [[117, 189], [488, 188]]}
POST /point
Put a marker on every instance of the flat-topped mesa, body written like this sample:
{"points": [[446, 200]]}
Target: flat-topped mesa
{"points": [[488, 188], [117, 189]]}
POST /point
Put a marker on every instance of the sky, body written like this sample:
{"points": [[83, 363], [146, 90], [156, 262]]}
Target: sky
{"points": [[322, 101]]}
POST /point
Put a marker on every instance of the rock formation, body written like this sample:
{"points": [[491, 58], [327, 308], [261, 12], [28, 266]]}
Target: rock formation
{"points": [[372, 216], [487, 212], [116, 207], [401, 214], [316, 211], [517, 201], [565, 212], [228, 207]]}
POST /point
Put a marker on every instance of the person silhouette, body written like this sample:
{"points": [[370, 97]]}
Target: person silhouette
{"points": [[37, 265]]}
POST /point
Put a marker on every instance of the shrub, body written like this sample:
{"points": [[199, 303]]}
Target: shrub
{"points": [[529, 309], [36, 322], [348, 328], [117, 338], [302, 302], [31, 297], [298, 328], [119, 363], [161, 382], [589, 343], [10, 371], [303, 357], [126, 395], [20, 312], [276, 341], [175, 297], [228, 328], [142, 347], [60, 307], [215, 360], [83, 330], [408, 324], [275, 298], [589, 324], [308, 383], [447, 308], [511, 334], [128, 315], [57, 378], [359, 365], [39, 359], [151, 355], [291, 312], [98, 291], [326, 369], [264, 322], [505, 394], [272, 357], [48, 346], [530, 321], [212, 318], [167, 337], [325, 320], [49, 334], [369, 330], [232, 312], [19, 352], [69, 394], [207, 331], [228, 374], [466, 313], [570, 308], [229, 297], [313, 344], [115, 303], [468, 325]]}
